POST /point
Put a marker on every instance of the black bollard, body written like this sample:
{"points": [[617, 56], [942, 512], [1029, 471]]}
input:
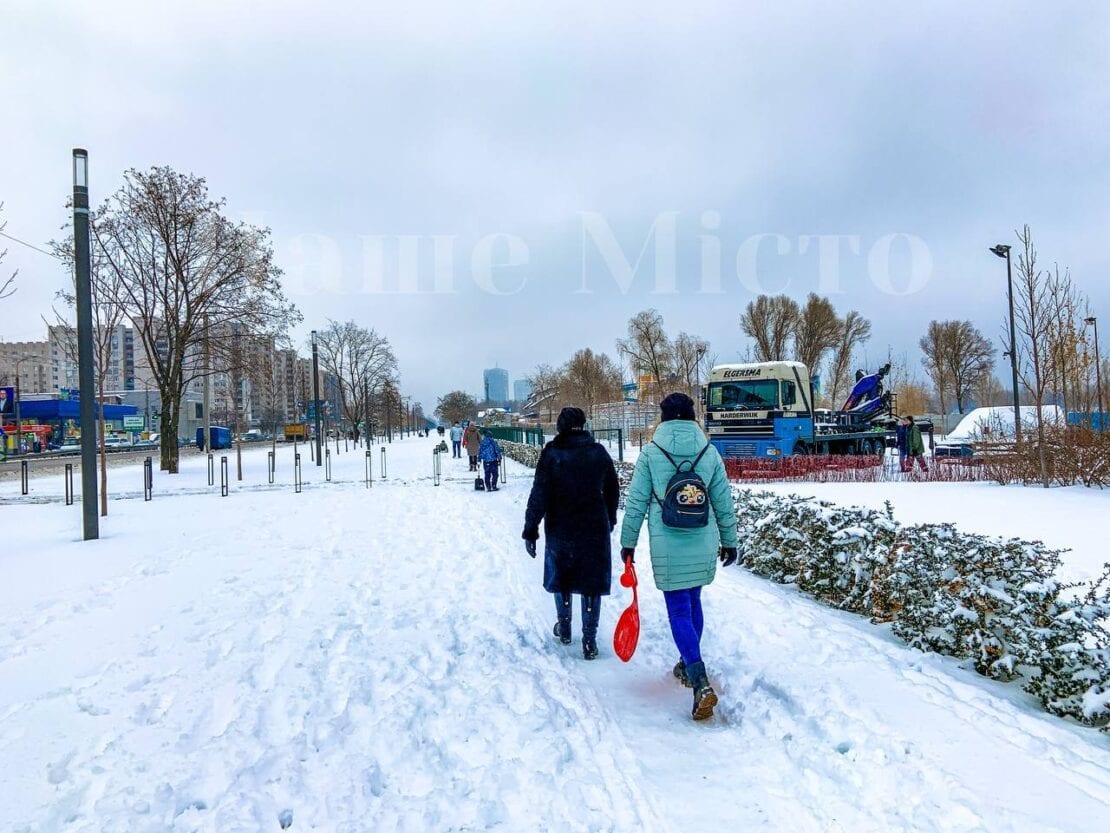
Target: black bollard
{"points": [[223, 475], [369, 467], [297, 473], [148, 479], [69, 484]]}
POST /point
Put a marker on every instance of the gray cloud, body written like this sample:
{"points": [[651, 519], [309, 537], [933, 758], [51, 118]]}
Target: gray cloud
{"points": [[345, 120]]}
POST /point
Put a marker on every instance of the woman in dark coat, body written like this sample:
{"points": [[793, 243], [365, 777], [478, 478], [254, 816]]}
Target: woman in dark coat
{"points": [[574, 493]]}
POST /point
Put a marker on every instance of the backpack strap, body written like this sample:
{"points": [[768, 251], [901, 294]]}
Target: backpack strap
{"points": [[678, 466]]}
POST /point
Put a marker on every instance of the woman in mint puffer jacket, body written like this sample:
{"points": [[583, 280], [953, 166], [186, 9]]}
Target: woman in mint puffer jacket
{"points": [[682, 560]]}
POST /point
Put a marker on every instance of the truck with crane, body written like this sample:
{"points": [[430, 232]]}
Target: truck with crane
{"points": [[767, 411]]}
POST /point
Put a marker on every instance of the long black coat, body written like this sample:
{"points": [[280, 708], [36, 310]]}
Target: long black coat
{"points": [[575, 494]]}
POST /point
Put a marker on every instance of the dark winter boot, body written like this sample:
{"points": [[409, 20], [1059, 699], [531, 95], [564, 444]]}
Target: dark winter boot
{"points": [[591, 615], [563, 610], [705, 698], [680, 673]]}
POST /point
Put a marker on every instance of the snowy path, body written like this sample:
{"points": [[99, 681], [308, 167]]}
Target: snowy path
{"points": [[349, 660]]}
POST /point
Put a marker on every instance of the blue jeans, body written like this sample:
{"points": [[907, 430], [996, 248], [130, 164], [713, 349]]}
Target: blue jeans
{"points": [[490, 470], [687, 622], [456, 448], [591, 612]]}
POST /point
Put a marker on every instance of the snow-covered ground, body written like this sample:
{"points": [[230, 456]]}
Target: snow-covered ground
{"points": [[348, 659]]}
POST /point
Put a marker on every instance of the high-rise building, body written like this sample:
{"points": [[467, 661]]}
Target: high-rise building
{"points": [[496, 386], [33, 358], [522, 391]]}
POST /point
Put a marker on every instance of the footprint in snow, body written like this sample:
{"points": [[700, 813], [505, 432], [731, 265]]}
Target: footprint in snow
{"points": [[285, 819]]}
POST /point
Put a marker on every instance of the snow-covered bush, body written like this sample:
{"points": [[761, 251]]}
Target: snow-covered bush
{"points": [[1074, 679], [829, 551], [526, 455], [992, 600], [973, 596]]}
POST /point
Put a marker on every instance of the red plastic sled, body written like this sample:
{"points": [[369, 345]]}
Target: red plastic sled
{"points": [[627, 633]]}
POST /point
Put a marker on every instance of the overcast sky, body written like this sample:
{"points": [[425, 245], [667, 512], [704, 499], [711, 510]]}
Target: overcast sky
{"points": [[530, 136]]}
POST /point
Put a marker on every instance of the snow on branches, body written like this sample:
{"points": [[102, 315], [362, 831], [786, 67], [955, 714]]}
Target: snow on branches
{"points": [[990, 600]]}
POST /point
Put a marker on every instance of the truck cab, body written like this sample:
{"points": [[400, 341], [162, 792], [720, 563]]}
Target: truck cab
{"points": [[762, 409]]}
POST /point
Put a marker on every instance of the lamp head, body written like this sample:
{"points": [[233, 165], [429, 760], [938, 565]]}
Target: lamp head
{"points": [[1090, 320], [1001, 250], [80, 168]]}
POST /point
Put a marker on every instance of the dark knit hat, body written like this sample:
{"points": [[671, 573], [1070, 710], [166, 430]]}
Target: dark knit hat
{"points": [[571, 419], [677, 406]]}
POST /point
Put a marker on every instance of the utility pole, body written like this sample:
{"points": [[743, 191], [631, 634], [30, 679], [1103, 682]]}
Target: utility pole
{"points": [[207, 387], [316, 397], [1002, 250], [1102, 424], [85, 354]]}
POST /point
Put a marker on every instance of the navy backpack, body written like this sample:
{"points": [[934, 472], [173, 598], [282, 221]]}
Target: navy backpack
{"points": [[685, 504]]}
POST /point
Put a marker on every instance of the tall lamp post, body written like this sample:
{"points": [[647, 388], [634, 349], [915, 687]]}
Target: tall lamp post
{"points": [[85, 354], [1002, 250], [1093, 321], [316, 398]]}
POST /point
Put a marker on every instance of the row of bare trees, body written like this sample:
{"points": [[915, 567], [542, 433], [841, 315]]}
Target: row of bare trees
{"points": [[810, 333], [668, 363], [365, 368], [587, 379]]}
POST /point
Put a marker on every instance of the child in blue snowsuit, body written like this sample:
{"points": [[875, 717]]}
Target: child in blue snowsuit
{"points": [[489, 452]]}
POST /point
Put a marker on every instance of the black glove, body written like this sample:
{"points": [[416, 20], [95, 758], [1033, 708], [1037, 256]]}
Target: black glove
{"points": [[530, 546], [628, 554], [727, 556]]}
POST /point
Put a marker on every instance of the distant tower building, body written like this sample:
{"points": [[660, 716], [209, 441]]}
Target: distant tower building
{"points": [[522, 391], [496, 387]]}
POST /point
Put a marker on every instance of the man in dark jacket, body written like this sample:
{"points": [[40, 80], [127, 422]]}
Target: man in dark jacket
{"points": [[574, 493], [911, 446]]}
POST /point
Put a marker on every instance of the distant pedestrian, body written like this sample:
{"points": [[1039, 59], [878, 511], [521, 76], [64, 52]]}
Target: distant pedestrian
{"points": [[690, 525], [911, 446], [472, 440], [456, 441], [489, 452], [575, 493]]}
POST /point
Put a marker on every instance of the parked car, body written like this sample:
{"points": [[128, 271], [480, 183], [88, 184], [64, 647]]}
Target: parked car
{"points": [[115, 443]]}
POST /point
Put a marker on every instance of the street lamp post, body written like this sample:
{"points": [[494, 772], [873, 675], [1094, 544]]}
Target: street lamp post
{"points": [[316, 398], [1002, 250], [85, 354], [1093, 321]]}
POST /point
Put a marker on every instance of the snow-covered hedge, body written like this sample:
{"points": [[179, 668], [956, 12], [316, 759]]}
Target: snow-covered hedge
{"points": [[529, 455], [990, 600]]}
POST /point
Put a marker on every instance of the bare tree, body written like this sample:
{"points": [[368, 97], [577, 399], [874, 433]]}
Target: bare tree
{"points": [[649, 348], [688, 354], [362, 361], [180, 262], [1033, 317], [591, 379], [816, 332], [957, 356], [456, 407], [7, 285], [770, 321], [852, 331], [546, 382]]}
